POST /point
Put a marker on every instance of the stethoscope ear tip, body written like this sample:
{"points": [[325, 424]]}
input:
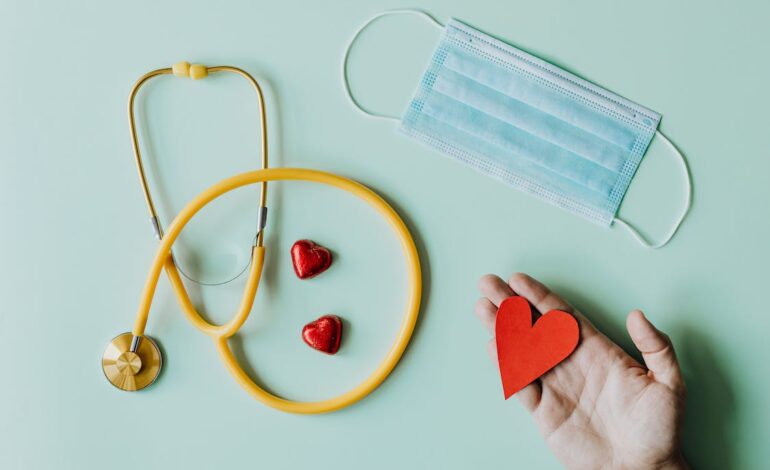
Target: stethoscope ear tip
{"points": [[130, 362]]}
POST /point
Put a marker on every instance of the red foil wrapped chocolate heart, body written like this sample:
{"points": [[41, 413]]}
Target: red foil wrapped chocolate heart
{"points": [[324, 334], [310, 259]]}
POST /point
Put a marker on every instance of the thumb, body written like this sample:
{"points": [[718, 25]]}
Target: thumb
{"points": [[656, 349]]}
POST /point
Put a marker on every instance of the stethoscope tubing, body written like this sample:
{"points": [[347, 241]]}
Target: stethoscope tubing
{"points": [[220, 333]]}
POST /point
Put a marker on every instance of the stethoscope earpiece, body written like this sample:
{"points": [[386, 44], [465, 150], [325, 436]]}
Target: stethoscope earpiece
{"points": [[131, 362]]}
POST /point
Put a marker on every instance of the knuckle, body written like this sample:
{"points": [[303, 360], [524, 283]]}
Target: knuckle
{"points": [[486, 281], [519, 278]]}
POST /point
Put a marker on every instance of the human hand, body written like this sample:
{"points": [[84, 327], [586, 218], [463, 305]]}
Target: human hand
{"points": [[600, 408]]}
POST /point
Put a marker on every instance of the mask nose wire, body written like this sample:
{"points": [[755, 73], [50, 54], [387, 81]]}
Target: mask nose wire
{"points": [[688, 202], [345, 79]]}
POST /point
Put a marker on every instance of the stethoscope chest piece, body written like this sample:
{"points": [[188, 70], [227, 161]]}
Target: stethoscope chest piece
{"points": [[131, 368]]}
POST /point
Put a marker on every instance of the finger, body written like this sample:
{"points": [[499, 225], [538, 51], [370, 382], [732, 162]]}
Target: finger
{"points": [[494, 288], [538, 294], [492, 350], [528, 396], [486, 312], [656, 349], [545, 300]]}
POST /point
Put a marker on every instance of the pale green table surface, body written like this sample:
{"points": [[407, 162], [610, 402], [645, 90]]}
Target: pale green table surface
{"points": [[75, 243]]}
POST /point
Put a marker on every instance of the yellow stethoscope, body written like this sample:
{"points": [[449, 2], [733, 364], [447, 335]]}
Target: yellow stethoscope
{"points": [[133, 360]]}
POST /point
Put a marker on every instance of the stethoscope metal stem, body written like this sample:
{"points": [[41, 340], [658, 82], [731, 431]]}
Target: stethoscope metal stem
{"points": [[135, 343]]}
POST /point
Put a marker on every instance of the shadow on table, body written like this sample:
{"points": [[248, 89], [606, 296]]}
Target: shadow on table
{"points": [[237, 346], [710, 421], [422, 253], [711, 407]]}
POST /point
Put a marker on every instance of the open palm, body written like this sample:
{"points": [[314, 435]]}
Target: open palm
{"points": [[600, 408]]}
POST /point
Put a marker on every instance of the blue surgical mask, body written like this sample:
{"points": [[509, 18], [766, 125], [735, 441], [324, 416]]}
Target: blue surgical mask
{"points": [[526, 122]]}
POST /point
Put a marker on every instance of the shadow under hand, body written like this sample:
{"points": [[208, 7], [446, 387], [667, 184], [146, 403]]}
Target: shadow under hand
{"points": [[711, 406], [422, 253]]}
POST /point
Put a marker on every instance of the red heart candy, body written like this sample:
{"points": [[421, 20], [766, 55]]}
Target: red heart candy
{"points": [[324, 334], [526, 351], [309, 259]]}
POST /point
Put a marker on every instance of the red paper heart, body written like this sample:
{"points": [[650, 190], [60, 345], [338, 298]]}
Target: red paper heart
{"points": [[324, 334], [309, 259], [526, 351]]}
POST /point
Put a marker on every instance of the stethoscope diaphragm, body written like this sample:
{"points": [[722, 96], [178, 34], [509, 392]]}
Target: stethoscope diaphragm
{"points": [[130, 366]]}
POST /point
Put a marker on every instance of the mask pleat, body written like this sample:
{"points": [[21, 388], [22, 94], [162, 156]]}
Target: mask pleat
{"points": [[542, 97], [518, 142], [527, 175], [531, 120]]}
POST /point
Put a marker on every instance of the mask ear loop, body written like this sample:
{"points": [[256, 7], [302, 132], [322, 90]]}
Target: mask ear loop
{"points": [[363, 110], [688, 202]]}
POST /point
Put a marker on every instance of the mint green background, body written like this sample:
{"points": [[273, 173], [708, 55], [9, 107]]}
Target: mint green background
{"points": [[75, 244]]}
